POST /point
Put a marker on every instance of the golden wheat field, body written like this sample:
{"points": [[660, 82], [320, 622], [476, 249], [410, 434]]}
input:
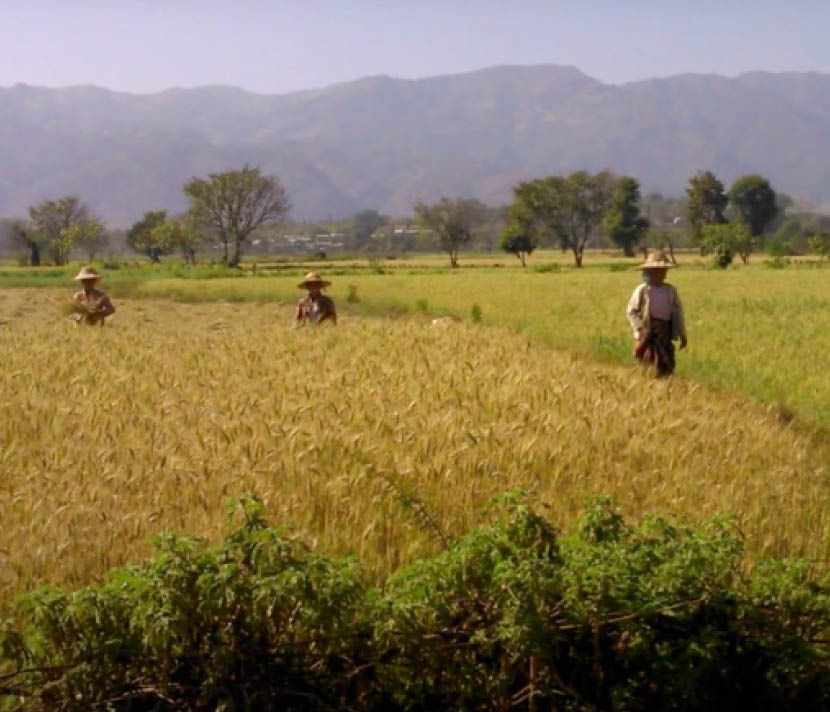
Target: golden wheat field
{"points": [[151, 424], [760, 331]]}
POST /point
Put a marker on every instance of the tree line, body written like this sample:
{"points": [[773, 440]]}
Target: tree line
{"points": [[570, 211], [224, 207]]}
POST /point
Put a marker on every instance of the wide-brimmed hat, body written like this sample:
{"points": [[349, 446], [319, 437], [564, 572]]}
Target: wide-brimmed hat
{"points": [[86, 273], [657, 260], [313, 278]]}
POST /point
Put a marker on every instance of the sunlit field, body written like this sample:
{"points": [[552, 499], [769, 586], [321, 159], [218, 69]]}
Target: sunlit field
{"points": [[764, 332], [383, 436]]}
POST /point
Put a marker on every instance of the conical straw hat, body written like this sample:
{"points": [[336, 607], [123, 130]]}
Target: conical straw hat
{"points": [[657, 260], [313, 278], [87, 273]]}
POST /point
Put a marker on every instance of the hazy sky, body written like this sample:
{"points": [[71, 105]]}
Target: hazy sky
{"points": [[282, 45]]}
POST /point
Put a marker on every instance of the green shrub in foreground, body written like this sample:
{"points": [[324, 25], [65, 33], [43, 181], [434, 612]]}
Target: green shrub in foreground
{"points": [[656, 616]]}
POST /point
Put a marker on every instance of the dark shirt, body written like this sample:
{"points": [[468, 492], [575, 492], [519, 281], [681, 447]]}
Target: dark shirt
{"points": [[98, 304], [315, 310]]}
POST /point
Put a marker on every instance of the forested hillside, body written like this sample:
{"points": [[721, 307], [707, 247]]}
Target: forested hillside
{"points": [[385, 143]]}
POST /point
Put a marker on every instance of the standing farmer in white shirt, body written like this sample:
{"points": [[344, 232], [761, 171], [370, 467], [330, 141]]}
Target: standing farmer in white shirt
{"points": [[655, 312]]}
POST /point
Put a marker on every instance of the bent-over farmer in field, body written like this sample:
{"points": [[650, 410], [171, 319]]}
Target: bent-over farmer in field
{"points": [[95, 305], [655, 312], [316, 307]]}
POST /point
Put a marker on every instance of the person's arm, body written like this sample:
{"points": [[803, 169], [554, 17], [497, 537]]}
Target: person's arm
{"points": [[105, 306], [299, 315], [678, 320], [634, 312], [332, 311]]}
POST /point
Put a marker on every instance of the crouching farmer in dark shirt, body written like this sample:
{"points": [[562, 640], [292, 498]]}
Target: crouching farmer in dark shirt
{"points": [[316, 307]]}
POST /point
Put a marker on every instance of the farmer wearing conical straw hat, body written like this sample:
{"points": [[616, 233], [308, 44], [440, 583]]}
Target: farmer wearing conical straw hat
{"points": [[94, 304], [655, 313], [316, 307]]}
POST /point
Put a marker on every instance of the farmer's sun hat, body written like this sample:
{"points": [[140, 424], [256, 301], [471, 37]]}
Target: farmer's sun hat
{"points": [[657, 260], [86, 273], [313, 278]]}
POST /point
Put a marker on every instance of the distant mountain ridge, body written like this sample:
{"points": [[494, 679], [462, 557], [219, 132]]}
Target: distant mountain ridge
{"points": [[385, 143]]}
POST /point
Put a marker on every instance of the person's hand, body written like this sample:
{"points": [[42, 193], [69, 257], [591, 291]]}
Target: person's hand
{"points": [[683, 343]]}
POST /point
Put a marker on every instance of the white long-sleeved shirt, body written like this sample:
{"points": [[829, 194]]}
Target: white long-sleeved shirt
{"points": [[639, 312]]}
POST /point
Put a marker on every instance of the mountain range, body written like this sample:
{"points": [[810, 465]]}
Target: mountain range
{"points": [[384, 143]]}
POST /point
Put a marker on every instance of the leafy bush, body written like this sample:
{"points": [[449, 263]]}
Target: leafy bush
{"points": [[727, 240], [476, 314], [351, 295], [820, 244], [376, 266], [723, 255], [258, 618], [778, 248], [657, 616]]}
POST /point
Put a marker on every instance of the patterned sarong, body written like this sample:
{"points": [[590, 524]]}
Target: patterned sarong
{"points": [[656, 350]]}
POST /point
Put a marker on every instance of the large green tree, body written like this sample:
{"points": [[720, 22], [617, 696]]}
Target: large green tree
{"points": [[623, 223], [706, 202], [179, 234], [451, 221], [52, 223], [754, 200], [141, 238], [90, 236], [566, 208], [235, 203]]}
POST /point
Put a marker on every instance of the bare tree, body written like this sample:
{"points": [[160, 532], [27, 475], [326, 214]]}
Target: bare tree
{"points": [[236, 203]]}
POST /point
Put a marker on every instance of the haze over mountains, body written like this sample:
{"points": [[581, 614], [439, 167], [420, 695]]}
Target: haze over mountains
{"points": [[384, 143]]}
